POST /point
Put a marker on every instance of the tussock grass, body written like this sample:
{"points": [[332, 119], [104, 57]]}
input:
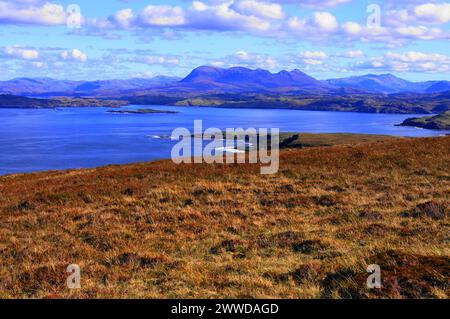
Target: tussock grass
{"points": [[159, 230]]}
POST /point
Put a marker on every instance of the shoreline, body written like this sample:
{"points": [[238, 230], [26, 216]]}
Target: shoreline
{"points": [[306, 140]]}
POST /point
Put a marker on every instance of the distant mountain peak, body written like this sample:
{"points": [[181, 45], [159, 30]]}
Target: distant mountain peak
{"points": [[245, 79]]}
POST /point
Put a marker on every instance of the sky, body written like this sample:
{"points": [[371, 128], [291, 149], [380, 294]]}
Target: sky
{"points": [[120, 39]]}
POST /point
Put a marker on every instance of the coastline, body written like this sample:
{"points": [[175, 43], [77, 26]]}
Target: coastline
{"points": [[305, 140]]}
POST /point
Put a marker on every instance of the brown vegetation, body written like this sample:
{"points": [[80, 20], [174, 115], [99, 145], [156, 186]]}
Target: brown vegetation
{"points": [[160, 230]]}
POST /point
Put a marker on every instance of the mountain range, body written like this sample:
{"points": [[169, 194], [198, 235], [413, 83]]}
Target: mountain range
{"points": [[389, 84], [207, 79], [52, 87]]}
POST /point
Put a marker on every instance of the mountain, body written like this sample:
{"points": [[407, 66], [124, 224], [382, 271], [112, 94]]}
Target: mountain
{"points": [[388, 84], [48, 86], [439, 86], [208, 79], [123, 85], [27, 86], [243, 79]]}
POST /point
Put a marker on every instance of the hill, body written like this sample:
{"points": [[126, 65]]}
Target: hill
{"points": [[160, 230], [52, 87], [438, 122], [12, 101], [367, 103], [388, 84]]}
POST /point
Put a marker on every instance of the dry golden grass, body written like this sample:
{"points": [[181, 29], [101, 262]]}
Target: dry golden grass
{"points": [[160, 230]]}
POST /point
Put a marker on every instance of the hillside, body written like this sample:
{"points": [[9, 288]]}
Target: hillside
{"points": [[388, 84], [12, 101], [438, 122], [52, 87], [159, 230], [367, 103]]}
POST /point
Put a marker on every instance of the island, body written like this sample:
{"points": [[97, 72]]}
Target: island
{"points": [[438, 122], [142, 111]]}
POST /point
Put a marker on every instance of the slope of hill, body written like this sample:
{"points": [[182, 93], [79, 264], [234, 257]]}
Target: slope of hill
{"points": [[52, 87], [12, 101], [438, 122], [26, 86], [388, 84], [367, 103], [160, 230], [439, 86]]}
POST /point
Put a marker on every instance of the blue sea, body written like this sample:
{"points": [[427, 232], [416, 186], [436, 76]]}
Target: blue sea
{"points": [[46, 139]]}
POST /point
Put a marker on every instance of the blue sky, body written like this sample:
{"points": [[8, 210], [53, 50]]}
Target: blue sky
{"points": [[142, 38]]}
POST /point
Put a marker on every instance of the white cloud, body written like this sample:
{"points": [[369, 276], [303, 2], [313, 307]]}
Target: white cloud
{"points": [[162, 15], [320, 55], [352, 28], [414, 56], [123, 18], [22, 53], [31, 12], [74, 55], [313, 57], [325, 20], [433, 13], [260, 9], [411, 61]]}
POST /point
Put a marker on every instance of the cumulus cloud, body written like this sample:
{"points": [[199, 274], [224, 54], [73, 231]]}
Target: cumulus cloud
{"points": [[411, 61], [313, 57], [325, 20], [405, 22], [260, 9], [433, 13], [31, 12], [249, 15], [21, 53], [414, 56], [74, 55], [267, 18], [123, 18], [162, 15]]}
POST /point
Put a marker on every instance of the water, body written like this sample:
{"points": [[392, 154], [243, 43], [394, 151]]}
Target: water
{"points": [[37, 140]]}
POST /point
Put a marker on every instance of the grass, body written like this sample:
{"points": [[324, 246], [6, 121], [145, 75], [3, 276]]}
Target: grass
{"points": [[437, 122], [160, 230]]}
